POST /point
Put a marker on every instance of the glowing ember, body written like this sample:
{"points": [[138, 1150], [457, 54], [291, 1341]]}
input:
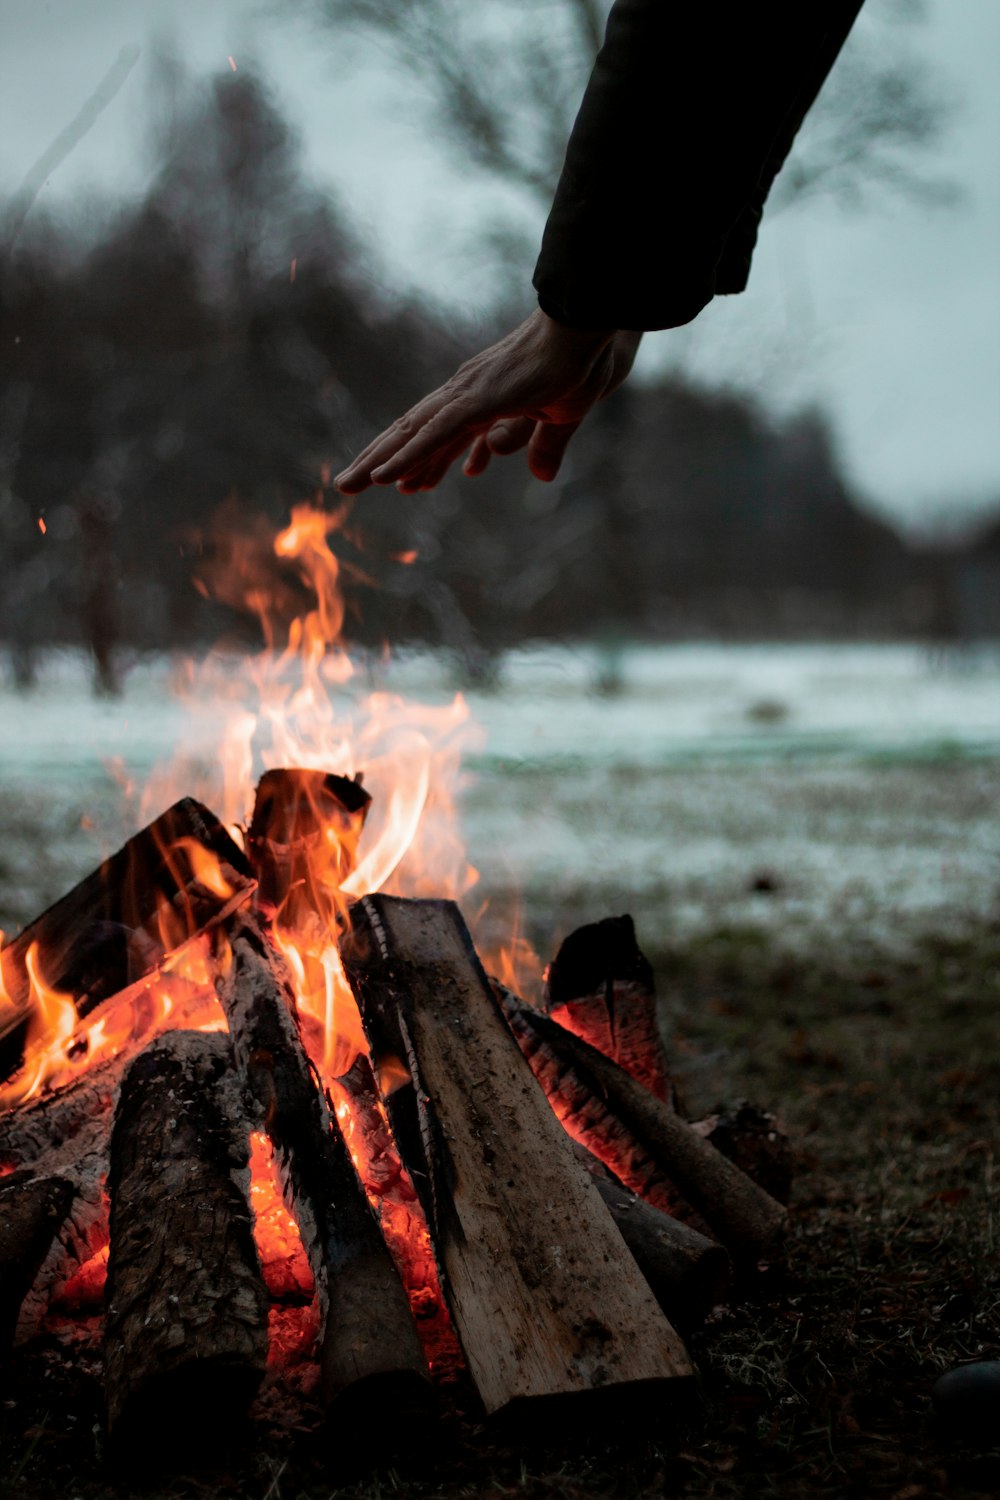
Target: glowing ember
{"points": [[282, 1257]]}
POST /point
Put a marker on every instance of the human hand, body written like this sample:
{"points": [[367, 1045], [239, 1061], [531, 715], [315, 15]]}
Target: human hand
{"points": [[531, 390]]}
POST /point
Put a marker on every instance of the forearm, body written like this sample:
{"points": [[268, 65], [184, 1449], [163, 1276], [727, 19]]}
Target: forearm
{"points": [[680, 119]]}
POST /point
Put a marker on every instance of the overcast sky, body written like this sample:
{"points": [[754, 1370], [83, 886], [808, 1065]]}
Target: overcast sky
{"points": [[891, 318]]}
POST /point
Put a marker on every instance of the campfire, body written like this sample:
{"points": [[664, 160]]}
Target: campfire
{"points": [[264, 1102]]}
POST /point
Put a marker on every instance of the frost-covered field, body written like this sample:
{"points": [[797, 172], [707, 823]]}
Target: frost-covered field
{"points": [[861, 784]]}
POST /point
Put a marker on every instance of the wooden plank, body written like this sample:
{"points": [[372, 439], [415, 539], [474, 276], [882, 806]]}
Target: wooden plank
{"points": [[546, 1298], [107, 933]]}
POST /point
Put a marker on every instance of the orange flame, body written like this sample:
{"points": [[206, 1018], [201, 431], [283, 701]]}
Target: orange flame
{"points": [[50, 1027], [306, 713]]}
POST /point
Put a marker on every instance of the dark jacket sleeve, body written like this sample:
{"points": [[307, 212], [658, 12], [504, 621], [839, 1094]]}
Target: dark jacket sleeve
{"points": [[688, 115]]}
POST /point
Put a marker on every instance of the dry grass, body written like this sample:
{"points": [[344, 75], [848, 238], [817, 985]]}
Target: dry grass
{"points": [[816, 1381]]}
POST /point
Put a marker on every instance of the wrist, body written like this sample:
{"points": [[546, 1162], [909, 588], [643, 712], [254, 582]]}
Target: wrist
{"points": [[572, 340]]}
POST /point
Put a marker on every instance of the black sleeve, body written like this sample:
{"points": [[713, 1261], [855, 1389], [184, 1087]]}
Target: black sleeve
{"points": [[688, 115]]}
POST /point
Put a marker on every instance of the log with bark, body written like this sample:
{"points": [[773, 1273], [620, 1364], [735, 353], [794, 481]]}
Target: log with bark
{"points": [[52, 1131], [371, 1358], [32, 1211], [600, 986], [754, 1140], [81, 1233], [545, 1296], [297, 864], [175, 878], [186, 1323], [745, 1218]]}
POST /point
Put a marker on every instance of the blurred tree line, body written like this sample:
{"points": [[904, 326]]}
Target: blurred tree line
{"points": [[212, 352]]}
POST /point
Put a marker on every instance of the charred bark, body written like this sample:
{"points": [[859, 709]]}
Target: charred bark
{"points": [[371, 1356], [600, 986], [753, 1139], [546, 1299], [186, 1326], [32, 1211], [108, 932], [586, 1114], [296, 864], [742, 1216], [54, 1130]]}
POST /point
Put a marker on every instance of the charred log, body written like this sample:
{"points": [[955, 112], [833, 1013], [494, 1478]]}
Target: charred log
{"points": [[370, 1350], [82, 1233], [296, 864], [546, 1299], [108, 932], [587, 1115], [53, 1131], [32, 1211], [600, 986], [742, 1216], [401, 1218], [186, 1326], [753, 1139]]}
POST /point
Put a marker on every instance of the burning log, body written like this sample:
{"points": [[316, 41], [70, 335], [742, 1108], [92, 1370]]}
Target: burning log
{"points": [[688, 1274], [587, 1115], [186, 1325], [600, 987], [54, 1131], [296, 863], [545, 1296], [400, 1217], [81, 1233], [32, 1211], [745, 1219], [175, 878], [370, 1350]]}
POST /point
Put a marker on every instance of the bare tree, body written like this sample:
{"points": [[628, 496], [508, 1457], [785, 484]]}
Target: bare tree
{"points": [[502, 83]]}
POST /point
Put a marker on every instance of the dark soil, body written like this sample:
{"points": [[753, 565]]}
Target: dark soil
{"points": [[816, 1380]]}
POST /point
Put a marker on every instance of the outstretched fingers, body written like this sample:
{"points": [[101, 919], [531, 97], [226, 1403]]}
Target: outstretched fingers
{"points": [[410, 439], [549, 442], [427, 475]]}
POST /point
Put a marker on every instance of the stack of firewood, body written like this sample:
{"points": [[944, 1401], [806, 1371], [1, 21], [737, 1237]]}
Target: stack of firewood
{"points": [[575, 1217]]}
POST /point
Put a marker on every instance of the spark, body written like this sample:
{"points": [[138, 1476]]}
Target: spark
{"points": [[232, 62], [41, 525], [291, 269]]}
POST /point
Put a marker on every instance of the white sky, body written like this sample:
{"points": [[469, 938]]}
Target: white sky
{"points": [[892, 318]]}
